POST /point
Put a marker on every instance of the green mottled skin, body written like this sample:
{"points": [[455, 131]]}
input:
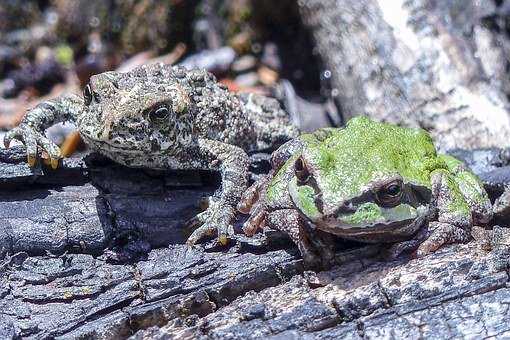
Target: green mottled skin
{"points": [[305, 195], [343, 189], [379, 152], [363, 152], [367, 212], [469, 184]]}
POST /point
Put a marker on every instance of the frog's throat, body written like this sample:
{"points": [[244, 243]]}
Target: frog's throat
{"points": [[382, 232], [388, 223]]}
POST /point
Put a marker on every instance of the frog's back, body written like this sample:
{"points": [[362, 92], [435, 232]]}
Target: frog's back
{"points": [[365, 150]]}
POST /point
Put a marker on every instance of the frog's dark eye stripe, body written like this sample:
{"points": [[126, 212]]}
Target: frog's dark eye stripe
{"points": [[301, 171], [390, 194]]}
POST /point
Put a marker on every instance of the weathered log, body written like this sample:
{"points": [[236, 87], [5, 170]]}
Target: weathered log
{"points": [[460, 292], [434, 64], [80, 208], [254, 289], [55, 279]]}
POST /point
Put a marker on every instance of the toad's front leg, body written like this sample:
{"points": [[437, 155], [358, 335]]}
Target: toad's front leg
{"points": [[232, 163], [31, 130]]}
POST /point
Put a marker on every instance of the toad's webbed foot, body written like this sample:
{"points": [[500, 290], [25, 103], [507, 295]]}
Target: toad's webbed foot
{"points": [[34, 140], [31, 130], [232, 163], [215, 219]]}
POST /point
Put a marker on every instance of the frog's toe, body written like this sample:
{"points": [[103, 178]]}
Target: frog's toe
{"points": [[251, 197], [397, 249], [248, 199], [256, 221], [313, 262], [440, 235]]}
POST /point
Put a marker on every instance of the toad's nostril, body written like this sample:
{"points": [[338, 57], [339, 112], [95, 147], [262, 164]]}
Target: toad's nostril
{"points": [[97, 97]]}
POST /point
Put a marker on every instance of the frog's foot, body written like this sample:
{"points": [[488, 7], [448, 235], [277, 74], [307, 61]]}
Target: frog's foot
{"points": [[316, 252], [323, 245], [215, 219], [253, 195], [253, 202], [311, 261], [33, 140], [315, 247], [396, 249], [440, 234], [256, 221]]}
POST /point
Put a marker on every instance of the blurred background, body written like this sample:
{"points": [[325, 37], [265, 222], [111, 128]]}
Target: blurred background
{"points": [[442, 66], [48, 47]]}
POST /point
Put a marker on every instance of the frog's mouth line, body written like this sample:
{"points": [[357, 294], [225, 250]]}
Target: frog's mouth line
{"points": [[344, 229], [376, 231]]}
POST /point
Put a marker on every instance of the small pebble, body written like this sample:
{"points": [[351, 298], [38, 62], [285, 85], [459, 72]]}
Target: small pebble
{"points": [[244, 64], [247, 79]]}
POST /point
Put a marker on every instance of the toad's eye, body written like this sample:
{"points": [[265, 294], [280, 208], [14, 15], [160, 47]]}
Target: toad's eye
{"points": [[87, 94], [160, 112], [390, 194], [301, 171]]}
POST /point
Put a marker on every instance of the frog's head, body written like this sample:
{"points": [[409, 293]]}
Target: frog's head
{"points": [[386, 205], [372, 185], [140, 112]]}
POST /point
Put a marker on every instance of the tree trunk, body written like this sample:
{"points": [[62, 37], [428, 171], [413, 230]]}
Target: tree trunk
{"points": [[433, 64]]}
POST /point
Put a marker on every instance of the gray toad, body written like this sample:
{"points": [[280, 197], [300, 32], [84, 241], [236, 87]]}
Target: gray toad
{"points": [[163, 117]]}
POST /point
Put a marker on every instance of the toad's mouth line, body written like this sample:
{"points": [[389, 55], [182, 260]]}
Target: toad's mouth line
{"points": [[114, 147]]}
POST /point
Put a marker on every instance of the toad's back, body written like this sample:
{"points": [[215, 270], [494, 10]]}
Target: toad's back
{"points": [[198, 106]]}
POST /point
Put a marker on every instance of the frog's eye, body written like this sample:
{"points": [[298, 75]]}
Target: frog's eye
{"points": [[87, 94], [159, 113], [301, 171], [390, 194]]}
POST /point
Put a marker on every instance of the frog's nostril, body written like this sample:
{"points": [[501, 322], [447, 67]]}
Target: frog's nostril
{"points": [[345, 208]]}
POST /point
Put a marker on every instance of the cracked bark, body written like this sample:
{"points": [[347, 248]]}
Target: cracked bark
{"points": [[255, 289]]}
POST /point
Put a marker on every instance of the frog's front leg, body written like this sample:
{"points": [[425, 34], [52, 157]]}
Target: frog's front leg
{"points": [[31, 130], [316, 248], [232, 163], [453, 221]]}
